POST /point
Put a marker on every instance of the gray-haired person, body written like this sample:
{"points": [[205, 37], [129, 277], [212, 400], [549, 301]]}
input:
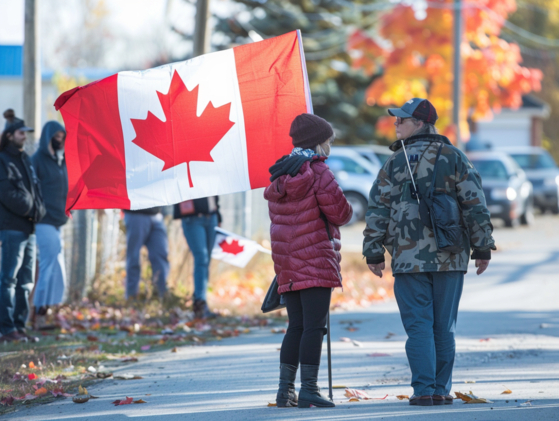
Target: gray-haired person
{"points": [[428, 282]]}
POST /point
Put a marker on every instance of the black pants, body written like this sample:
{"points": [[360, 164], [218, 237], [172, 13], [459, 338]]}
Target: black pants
{"points": [[307, 310]]}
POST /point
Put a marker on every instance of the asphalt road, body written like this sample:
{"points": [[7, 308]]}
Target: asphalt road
{"points": [[508, 338]]}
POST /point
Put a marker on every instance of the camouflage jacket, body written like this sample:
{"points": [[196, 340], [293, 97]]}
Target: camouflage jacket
{"points": [[393, 215]]}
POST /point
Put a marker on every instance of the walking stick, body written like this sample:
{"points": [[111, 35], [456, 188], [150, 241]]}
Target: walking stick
{"points": [[329, 358]]}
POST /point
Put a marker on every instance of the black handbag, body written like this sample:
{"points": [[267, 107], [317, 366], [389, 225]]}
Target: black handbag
{"points": [[440, 212], [272, 300]]}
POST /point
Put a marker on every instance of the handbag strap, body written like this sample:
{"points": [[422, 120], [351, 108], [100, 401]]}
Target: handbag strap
{"points": [[434, 178]]}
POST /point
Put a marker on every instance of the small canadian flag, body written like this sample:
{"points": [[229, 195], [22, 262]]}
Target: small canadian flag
{"points": [[202, 127], [234, 249]]}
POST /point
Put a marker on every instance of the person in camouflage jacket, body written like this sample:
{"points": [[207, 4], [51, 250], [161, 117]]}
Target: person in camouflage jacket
{"points": [[428, 282]]}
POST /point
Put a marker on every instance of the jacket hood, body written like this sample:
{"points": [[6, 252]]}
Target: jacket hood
{"points": [[287, 187], [420, 138], [49, 129]]}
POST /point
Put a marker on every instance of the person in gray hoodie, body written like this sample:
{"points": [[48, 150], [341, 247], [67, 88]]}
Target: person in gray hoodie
{"points": [[50, 167]]}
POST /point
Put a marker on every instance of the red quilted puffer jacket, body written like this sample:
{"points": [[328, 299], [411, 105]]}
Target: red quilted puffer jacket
{"points": [[303, 255]]}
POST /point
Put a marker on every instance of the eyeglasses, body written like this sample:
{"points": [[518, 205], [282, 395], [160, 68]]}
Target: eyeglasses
{"points": [[400, 120]]}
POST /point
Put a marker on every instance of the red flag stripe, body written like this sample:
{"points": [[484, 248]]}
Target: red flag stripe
{"points": [[263, 68], [95, 148]]}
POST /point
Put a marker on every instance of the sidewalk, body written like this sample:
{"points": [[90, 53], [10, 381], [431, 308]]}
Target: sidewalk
{"points": [[508, 338]]}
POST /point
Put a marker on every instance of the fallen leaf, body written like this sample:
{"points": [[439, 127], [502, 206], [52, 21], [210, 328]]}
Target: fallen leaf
{"points": [[471, 398], [127, 376], [27, 397], [278, 330], [103, 375], [356, 393], [32, 376], [352, 329], [507, 392], [31, 364], [80, 398], [378, 354], [40, 391], [272, 404], [174, 349], [139, 401], [527, 403], [60, 392], [7, 401], [92, 338], [469, 381], [126, 401], [129, 360], [353, 399], [345, 340], [485, 340], [339, 387], [402, 397]]}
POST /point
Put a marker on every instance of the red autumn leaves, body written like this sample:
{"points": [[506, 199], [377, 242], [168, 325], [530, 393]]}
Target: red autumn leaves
{"points": [[182, 137]]}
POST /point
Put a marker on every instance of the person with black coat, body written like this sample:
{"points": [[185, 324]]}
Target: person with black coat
{"points": [[21, 207]]}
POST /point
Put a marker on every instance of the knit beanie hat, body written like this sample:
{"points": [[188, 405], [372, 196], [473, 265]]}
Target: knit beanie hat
{"points": [[309, 130]]}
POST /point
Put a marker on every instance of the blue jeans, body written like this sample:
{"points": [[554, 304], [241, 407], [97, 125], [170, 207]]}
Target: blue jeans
{"points": [[148, 230], [199, 232], [17, 272], [51, 283], [428, 305]]}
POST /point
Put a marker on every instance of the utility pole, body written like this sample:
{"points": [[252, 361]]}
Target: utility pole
{"points": [[32, 70], [457, 85], [201, 28]]}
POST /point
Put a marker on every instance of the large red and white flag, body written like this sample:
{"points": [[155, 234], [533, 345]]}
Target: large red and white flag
{"points": [[202, 127]]}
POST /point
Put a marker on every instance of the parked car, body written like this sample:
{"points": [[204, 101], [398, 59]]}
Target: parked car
{"points": [[508, 191], [377, 154], [355, 175], [542, 171]]}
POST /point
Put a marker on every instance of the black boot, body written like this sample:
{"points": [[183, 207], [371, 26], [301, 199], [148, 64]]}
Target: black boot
{"points": [[310, 392], [287, 397], [202, 311]]}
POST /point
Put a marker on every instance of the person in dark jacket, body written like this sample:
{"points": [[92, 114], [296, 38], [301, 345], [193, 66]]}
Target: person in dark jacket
{"points": [[21, 207], [199, 219], [50, 166], [306, 208], [146, 227]]}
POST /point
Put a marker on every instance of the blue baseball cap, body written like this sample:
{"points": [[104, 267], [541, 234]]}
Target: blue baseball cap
{"points": [[418, 108], [18, 125]]}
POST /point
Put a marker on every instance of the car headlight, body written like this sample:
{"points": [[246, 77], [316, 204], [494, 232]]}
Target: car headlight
{"points": [[502, 194]]}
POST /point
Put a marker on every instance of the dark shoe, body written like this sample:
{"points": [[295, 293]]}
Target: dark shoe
{"points": [[11, 337], [201, 310], [27, 337], [287, 397], [310, 392], [442, 400], [426, 400]]}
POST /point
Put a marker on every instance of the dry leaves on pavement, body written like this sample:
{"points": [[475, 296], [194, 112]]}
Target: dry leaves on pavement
{"points": [[356, 395], [471, 398]]}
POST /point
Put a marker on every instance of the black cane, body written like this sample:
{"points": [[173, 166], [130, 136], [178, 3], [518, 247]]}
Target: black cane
{"points": [[329, 358]]}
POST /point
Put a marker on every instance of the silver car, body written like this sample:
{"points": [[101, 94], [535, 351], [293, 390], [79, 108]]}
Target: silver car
{"points": [[355, 175], [542, 171]]}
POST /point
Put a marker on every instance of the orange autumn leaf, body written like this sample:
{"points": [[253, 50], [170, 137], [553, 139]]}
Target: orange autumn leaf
{"points": [[506, 392], [31, 364], [40, 391], [32, 376], [402, 397]]}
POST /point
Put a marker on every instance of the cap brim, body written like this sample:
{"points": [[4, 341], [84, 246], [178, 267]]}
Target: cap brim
{"points": [[398, 112], [26, 129]]}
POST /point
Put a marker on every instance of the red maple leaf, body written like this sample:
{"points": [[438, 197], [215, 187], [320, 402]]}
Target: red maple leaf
{"points": [[182, 137], [233, 248]]}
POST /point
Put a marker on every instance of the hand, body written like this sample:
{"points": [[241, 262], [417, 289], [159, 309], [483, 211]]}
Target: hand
{"points": [[377, 269], [481, 265]]}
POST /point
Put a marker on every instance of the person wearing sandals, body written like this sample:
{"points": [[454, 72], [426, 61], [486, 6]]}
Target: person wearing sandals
{"points": [[428, 282], [302, 199]]}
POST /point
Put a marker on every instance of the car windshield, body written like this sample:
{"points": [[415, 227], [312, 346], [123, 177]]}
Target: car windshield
{"points": [[382, 157], [535, 161], [491, 169]]}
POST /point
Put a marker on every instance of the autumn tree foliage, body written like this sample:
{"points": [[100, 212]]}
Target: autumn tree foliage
{"points": [[414, 58]]}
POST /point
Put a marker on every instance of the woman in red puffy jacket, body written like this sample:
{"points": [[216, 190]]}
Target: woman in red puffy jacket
{"points": [[305, 202]]}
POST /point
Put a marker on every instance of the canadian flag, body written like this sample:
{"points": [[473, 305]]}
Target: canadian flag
{"points": [[202, 127], [234, 249]]}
